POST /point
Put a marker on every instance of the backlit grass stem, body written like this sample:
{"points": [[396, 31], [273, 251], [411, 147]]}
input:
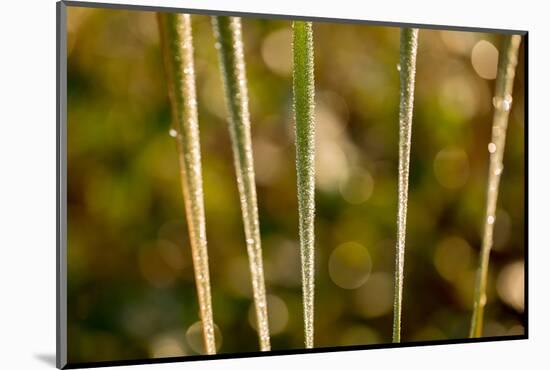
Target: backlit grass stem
{"points": [[177, 48], [227, 31], [407, 68], [304, 106], [502, 103]]}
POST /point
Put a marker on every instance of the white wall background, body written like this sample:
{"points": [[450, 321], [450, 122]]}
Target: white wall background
{"points": [[27, 182]]}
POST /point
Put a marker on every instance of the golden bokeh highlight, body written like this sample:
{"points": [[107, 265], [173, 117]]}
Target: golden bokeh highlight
{"points": [[375, 298], [453, 256], [168, 345], [277, 312], [484, 59], [460, 92], [195, 339], [349, 265], [358, 186], [276, 53], [510, 285]]}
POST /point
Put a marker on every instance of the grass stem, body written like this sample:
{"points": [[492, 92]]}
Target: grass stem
{"points": [[502, 103], [304, 106], [177, 48], [227, 31], [408, 48]]}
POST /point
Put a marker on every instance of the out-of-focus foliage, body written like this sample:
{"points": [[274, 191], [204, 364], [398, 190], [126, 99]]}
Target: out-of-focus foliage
{"points": [[130, 288]]}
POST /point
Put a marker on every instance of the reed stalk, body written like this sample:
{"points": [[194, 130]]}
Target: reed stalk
{"points": [[177, 49], [502, 102], [304, 106], [228, 34], [407, 72]]}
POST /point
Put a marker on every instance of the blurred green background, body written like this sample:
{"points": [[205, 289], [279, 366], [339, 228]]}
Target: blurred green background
{"points": [[131, 290]]}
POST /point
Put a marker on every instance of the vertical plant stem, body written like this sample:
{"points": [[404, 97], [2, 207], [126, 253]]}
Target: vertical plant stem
{"points": [[407, 64], [304, 106], [502, 103], [177, 48], [228, 35]]}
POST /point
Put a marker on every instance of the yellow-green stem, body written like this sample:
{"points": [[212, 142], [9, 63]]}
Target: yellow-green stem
{"points": [[228, 35], [177, 49], [502, 103], [304, 106], [407, 64]]}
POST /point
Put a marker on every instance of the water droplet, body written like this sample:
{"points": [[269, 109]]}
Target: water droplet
{"points": [[483, 300], [173, 132], [492, 147], [491, 220], [504, 104], [398, 67]]}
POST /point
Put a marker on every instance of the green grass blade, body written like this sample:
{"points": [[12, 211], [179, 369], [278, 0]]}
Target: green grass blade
{"points": [[304, 106], [502, 102], [177, 48], [407, 64], [228, 35]]}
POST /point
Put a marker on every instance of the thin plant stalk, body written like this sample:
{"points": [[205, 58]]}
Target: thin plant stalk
{"points": [[177, 48], [227, 31], [407, 68], [304, 106], [502, 103]]}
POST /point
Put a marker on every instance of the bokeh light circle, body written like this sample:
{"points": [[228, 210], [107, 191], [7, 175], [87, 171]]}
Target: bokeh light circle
{"points": [[195, 338], [349, 265]]}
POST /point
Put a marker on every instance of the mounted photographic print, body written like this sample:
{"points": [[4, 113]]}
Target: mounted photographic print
{"points": [[234, 185]]}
